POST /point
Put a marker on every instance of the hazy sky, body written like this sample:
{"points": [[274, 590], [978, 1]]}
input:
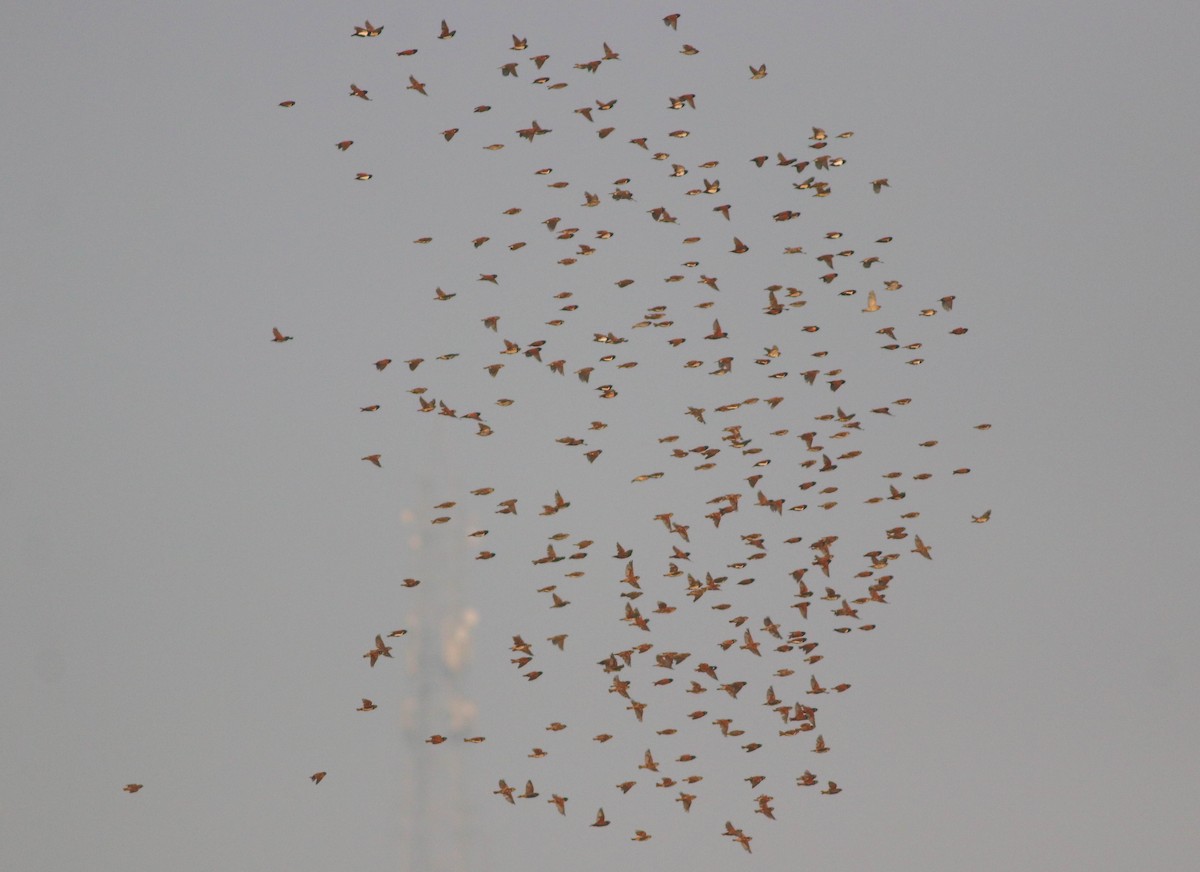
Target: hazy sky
{"points": [[195, 557]]}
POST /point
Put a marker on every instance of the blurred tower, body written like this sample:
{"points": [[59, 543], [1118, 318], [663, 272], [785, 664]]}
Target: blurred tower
{"points": [[436, 810]]}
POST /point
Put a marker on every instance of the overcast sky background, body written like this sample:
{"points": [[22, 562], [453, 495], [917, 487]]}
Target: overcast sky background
{"points": [[195, 557]]}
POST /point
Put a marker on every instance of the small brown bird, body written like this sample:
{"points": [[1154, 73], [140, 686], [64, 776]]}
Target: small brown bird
{"points": [[380, 650], [317, 777], [134, 788], [601, 820], [374, 458], [277, 336], [446, 33], [672, 21], [921, 548], [356, 91], [759, 73], [367, 29], [879, 184], [506, 791], [982, 519], [414, 85], [344, 144], [367, 706]]}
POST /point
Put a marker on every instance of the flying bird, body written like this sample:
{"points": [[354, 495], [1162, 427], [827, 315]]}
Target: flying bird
{"points": [[367, 29]]}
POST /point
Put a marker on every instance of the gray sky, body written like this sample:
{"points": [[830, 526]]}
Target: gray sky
{"points": [[195, 557]]}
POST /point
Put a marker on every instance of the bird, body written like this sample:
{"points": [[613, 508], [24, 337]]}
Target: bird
{"points": [[380, 650], [601, 820], [277, 336], [982, 519], [743, 840], [446, 33], [318, 777], [134, 788], [759, 73], [414, 85], [921, 548], [367, 29], [374, 458]]}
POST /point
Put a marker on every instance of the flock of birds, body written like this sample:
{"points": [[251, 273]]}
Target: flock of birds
{"points": [[776, 665]]}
